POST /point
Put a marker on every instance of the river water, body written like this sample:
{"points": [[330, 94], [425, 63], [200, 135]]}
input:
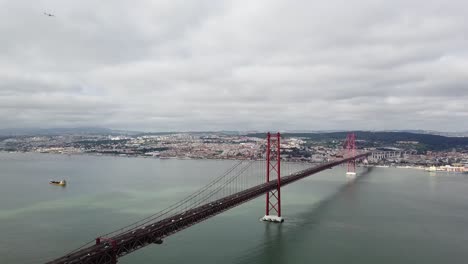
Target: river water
{"points": [[386, 215]]}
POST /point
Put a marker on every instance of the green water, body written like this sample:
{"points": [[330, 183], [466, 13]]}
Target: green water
{"points": [[385, 216]]}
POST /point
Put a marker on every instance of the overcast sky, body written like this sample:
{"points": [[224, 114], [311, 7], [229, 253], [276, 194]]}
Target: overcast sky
{"points": [[234, 65]]}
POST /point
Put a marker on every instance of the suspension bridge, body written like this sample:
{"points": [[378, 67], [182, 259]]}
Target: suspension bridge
{"points": [[229, 190]]}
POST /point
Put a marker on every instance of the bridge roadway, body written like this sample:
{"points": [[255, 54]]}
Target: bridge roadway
{"points": [[127, 242]]}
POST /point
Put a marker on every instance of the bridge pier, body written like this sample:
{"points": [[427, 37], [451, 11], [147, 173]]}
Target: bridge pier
{"points": [[273, 166], [350, 146]]}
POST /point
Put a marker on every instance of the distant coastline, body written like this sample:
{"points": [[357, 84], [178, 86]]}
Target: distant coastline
{"points": [[446, 168]]}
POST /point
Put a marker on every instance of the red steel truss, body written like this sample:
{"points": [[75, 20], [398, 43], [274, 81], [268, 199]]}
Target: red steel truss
{"points": [[273, 158], [350, 146]]}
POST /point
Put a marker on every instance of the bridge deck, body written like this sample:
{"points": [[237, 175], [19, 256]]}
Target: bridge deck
{"points": [[132, 240]]}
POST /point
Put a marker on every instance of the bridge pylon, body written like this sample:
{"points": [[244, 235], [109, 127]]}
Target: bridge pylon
{"points": [[350, 146], [273, 167]]}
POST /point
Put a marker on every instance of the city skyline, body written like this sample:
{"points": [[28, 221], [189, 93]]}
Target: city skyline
{"points": [[263, 65]]}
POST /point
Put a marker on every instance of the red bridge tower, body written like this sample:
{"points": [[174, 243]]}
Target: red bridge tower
{"points": [[350, 146], [273, 167]]}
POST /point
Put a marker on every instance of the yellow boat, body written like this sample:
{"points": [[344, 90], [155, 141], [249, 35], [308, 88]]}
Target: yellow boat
{"points": [[59, 183]]}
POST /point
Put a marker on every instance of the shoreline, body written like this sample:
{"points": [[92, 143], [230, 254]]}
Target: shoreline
{"points": [[412, 167], [430, 169], [143, 156]]}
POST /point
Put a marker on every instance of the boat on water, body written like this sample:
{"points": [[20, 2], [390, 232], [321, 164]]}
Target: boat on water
{"points": [[59, 183]]}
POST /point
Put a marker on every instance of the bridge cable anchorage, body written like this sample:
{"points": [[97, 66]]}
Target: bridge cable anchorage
{"points": [[273, 197], [163, 212]]}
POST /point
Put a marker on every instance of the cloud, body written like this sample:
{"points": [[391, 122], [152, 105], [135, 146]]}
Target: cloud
{"points": [[244, 65]]}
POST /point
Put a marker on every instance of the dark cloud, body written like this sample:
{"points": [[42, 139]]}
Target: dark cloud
{"points": [[202, 65]]}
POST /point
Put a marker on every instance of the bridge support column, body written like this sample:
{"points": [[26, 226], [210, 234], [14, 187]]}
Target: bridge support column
{"points": [[273, 166], [350, 145]]}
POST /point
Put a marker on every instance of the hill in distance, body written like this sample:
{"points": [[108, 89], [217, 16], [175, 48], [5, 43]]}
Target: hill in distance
{"points": [[375, 139]]}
